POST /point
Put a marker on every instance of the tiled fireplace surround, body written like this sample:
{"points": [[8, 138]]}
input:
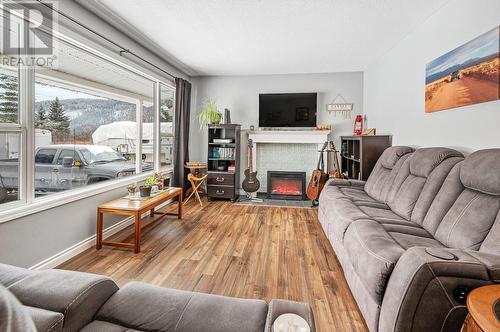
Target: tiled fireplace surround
{"points": [[277, 150]]}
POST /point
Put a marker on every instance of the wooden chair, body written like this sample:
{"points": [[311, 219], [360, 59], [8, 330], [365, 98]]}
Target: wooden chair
{"points": [[196, 182]]}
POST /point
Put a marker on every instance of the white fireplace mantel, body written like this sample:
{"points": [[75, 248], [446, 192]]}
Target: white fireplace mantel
{"points": [[289, 136]]}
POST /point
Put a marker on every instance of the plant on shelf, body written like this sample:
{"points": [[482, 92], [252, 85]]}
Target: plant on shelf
{"points": [[209, 115], [145, 189]]}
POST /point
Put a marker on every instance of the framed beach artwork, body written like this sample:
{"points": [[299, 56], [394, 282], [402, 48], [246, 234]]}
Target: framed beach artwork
{"points": [[470, 74]]}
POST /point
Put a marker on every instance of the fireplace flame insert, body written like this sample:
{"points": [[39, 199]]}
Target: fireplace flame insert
{"points": [[286, 185]]}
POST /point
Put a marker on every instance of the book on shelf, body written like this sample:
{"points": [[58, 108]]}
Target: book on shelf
{"points": [[224, 153], [223, 140]]}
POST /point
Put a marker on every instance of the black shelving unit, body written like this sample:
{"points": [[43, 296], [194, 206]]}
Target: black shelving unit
{"points": [[360, 153], [223, 156]]}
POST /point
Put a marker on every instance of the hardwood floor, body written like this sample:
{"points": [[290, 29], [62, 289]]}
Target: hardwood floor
{"points": [[234, 250]]}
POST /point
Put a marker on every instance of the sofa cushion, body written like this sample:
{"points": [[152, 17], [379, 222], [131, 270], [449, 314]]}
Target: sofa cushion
{"points": [[340, 213], [355, 194], [407, 241], [385, 216], [149, 308], [491, 243], [384, 172], [13, 315], [469, 220], [100, 326], [425, 160], [481, 171], [390, 157], [409, 228], [76, 295], [45, 320], [373, 253], [450, 190], [419, 180]]}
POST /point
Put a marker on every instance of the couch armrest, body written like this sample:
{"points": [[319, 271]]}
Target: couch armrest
{"points": [[280, 307], [13, 316], [346, 183], [145, 307], [490, 261], [421, 294], [76, 295]]}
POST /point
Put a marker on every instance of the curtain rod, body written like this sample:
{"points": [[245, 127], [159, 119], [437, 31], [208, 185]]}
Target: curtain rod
{"points": [[122, 49]]}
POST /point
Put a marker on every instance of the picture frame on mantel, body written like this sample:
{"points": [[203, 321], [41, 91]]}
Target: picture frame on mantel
{"points": [[467, 75]]}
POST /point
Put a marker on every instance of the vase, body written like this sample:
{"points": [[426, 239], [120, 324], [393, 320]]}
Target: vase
{"points": [[145, 191]]}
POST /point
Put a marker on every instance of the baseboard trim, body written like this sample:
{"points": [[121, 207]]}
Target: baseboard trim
{"points": [[89, 242], [81, 246]]}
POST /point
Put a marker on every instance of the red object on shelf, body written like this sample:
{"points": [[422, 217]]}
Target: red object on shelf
{"points": [[358, 126]]}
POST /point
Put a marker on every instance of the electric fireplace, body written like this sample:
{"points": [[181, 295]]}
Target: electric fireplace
{"points": [[286, 185]]}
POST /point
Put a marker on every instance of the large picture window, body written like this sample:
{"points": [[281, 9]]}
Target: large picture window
{"points": [[86, 121], [86, 111]]}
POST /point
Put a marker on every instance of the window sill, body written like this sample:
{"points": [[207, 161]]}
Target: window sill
{"points": [[44, 203]]}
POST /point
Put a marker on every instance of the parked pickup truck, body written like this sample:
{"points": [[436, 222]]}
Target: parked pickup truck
{"points": [[67, 166]]}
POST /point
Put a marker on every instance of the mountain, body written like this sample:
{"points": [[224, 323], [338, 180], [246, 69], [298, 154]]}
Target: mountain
{"points": [[87, 114]]}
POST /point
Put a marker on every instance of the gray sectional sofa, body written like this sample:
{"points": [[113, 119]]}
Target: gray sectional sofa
{"points": [[417, 236], [58, 300]]}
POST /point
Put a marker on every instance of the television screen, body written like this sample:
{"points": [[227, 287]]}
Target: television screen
{"points": [[287, 110]]}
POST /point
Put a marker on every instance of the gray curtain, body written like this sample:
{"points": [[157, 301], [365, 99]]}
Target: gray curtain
{"points": [[182, 110]]}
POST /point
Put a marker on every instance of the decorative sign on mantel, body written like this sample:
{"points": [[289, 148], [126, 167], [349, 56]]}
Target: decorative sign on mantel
{"points": [[343, 108]]}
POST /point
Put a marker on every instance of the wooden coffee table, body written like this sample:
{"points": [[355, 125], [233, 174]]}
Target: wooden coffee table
{"points": [[125, 206]]}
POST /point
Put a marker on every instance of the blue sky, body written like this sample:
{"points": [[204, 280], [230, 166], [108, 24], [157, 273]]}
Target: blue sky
{"points": [[48, 92], [484, 45]]}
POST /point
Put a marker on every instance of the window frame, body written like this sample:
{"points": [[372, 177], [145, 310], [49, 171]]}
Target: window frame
{"points": [[27, 203], [158, 130], [19, 128]]}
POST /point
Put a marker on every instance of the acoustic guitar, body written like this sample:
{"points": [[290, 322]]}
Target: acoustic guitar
{"points": [[336, 173], [318, 178], [250, 183]]}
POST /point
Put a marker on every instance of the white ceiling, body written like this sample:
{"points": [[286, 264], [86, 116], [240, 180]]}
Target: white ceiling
{"points": [[250, 37]]}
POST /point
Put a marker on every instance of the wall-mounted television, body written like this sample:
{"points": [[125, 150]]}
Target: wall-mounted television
{"points": [[288, 110]]}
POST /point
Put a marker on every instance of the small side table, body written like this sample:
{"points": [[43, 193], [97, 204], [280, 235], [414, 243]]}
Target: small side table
{"points": [[483, 304], [196, 171]]}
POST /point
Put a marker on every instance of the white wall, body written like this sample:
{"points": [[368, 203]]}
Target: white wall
{"points": [[394, 85], [29, 240], [32, 239], [240, 94]]}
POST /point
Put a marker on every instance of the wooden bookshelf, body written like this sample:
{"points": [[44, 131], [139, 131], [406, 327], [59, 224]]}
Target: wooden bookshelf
{"points": [[222, 157], [360, 153]]}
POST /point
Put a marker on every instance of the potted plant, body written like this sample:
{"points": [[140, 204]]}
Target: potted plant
{"points": [[145, 189], [131, 190], [158, 180], [210, 115]]}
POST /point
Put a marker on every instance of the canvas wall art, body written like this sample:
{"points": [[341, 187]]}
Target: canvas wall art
{"points": [[470, 74]]}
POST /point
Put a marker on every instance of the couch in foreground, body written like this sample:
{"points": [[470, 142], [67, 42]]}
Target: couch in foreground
{"points": [[58, 300], [417, 236]]}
